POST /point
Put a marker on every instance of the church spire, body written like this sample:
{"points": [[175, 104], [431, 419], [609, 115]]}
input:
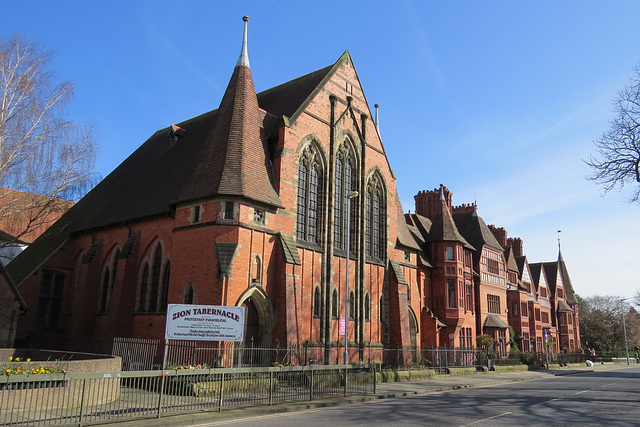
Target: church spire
{"points": [[244, 53], [233, 160], [559, 251]]}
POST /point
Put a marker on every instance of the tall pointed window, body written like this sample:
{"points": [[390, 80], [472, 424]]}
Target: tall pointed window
{"points": [[376, 230], [345, 184], [144, 289], [309, 191], [153, 290], [104, 292], [107, 284], [164, 295]]}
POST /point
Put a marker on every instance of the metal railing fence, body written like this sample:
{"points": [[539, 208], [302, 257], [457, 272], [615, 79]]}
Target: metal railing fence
{"points": [[79, 398]]}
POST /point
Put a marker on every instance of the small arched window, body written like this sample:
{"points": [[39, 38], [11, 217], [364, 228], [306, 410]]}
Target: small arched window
{"points": [[334, 304], [104, 292], [316, 302], [144, 289], [188, 294], [367, 308], [164, 297], [257, 270], [352, 305]]}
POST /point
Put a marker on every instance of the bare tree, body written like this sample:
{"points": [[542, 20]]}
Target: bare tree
{"points": [[617, 159], [45, 158], [601, 322]]}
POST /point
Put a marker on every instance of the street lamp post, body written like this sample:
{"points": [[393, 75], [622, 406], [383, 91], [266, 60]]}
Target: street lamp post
{"points": [[624, 327], [348, 198]]}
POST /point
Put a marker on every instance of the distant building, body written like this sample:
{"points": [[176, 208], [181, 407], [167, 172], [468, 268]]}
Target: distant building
{"points": [[246, 205], [23, 218]]}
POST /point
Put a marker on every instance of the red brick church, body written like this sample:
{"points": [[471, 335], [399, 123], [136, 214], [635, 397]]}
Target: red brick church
{"points": [[246, 205]]}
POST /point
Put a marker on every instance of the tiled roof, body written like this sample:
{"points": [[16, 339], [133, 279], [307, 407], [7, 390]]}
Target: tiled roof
{"points": [[551, 272], [535, 269], [563, 307], [397, 270], [152, 179], [443, 228], [476, 232], [405, 238], [566, 280], [512, 265], [290, 249], [233, 159], [225, 252], [493, 321]]}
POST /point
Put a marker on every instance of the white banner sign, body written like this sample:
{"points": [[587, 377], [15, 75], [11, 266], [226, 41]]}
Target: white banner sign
{"points": [[204, 323]]}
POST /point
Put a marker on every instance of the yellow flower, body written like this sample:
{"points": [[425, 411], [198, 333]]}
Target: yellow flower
{"points": [[8, 371], [11, 358], [17, 359], [28, 359]]}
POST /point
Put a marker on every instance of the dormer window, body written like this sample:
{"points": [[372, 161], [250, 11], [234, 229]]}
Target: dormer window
{"points": [[228, 210], [196, 214]]}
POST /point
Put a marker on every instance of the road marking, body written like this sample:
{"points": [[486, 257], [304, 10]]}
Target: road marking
{"points": [[257, 418], [487, 419]]}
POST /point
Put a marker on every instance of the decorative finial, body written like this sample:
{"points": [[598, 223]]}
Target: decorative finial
{"points": [[244, 53], [559, 251]]}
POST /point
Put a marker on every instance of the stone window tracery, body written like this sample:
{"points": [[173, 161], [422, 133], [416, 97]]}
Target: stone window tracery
{"points": [[375, 219], [309, 192], [345, 183]]}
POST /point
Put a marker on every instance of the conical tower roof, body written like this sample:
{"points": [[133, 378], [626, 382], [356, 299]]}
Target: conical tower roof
{"points": [[233, 160]]}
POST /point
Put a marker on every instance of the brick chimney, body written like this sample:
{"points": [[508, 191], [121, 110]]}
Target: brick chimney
{"points": [[500, 234], [516, 246], [428, 202]]}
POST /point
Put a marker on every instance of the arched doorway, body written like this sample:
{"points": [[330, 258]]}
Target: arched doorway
{"points": [[252, 325]]}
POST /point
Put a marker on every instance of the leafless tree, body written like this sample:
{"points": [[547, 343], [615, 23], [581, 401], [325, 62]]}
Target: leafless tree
{"points": [[45, 159], [602, 324], [616, 162]]}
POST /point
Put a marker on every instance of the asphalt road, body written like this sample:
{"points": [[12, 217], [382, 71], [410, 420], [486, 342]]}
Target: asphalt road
{"points": [[601, 398]]}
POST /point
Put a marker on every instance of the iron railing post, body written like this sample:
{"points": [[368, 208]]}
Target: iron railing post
{"points": [[221, 392], [84, 384], [271, 385]]}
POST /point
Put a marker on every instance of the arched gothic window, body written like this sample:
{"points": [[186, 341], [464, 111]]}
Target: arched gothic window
{"points": [[144, 289], [154, 285], [334, 304], [345, 184], [367, 308], [107, 284], [104, 292], [375, 219], [309, 192], [164, 297]]}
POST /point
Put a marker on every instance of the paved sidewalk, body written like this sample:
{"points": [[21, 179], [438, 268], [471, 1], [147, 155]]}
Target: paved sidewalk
{"points": [[394, 390]]}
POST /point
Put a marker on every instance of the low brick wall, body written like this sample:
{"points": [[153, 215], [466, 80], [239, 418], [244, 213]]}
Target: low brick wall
{"points": [[57, 390], [70, 361]]}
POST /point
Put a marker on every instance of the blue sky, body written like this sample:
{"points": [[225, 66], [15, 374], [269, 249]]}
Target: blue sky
{"points": [[499, 101]]}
